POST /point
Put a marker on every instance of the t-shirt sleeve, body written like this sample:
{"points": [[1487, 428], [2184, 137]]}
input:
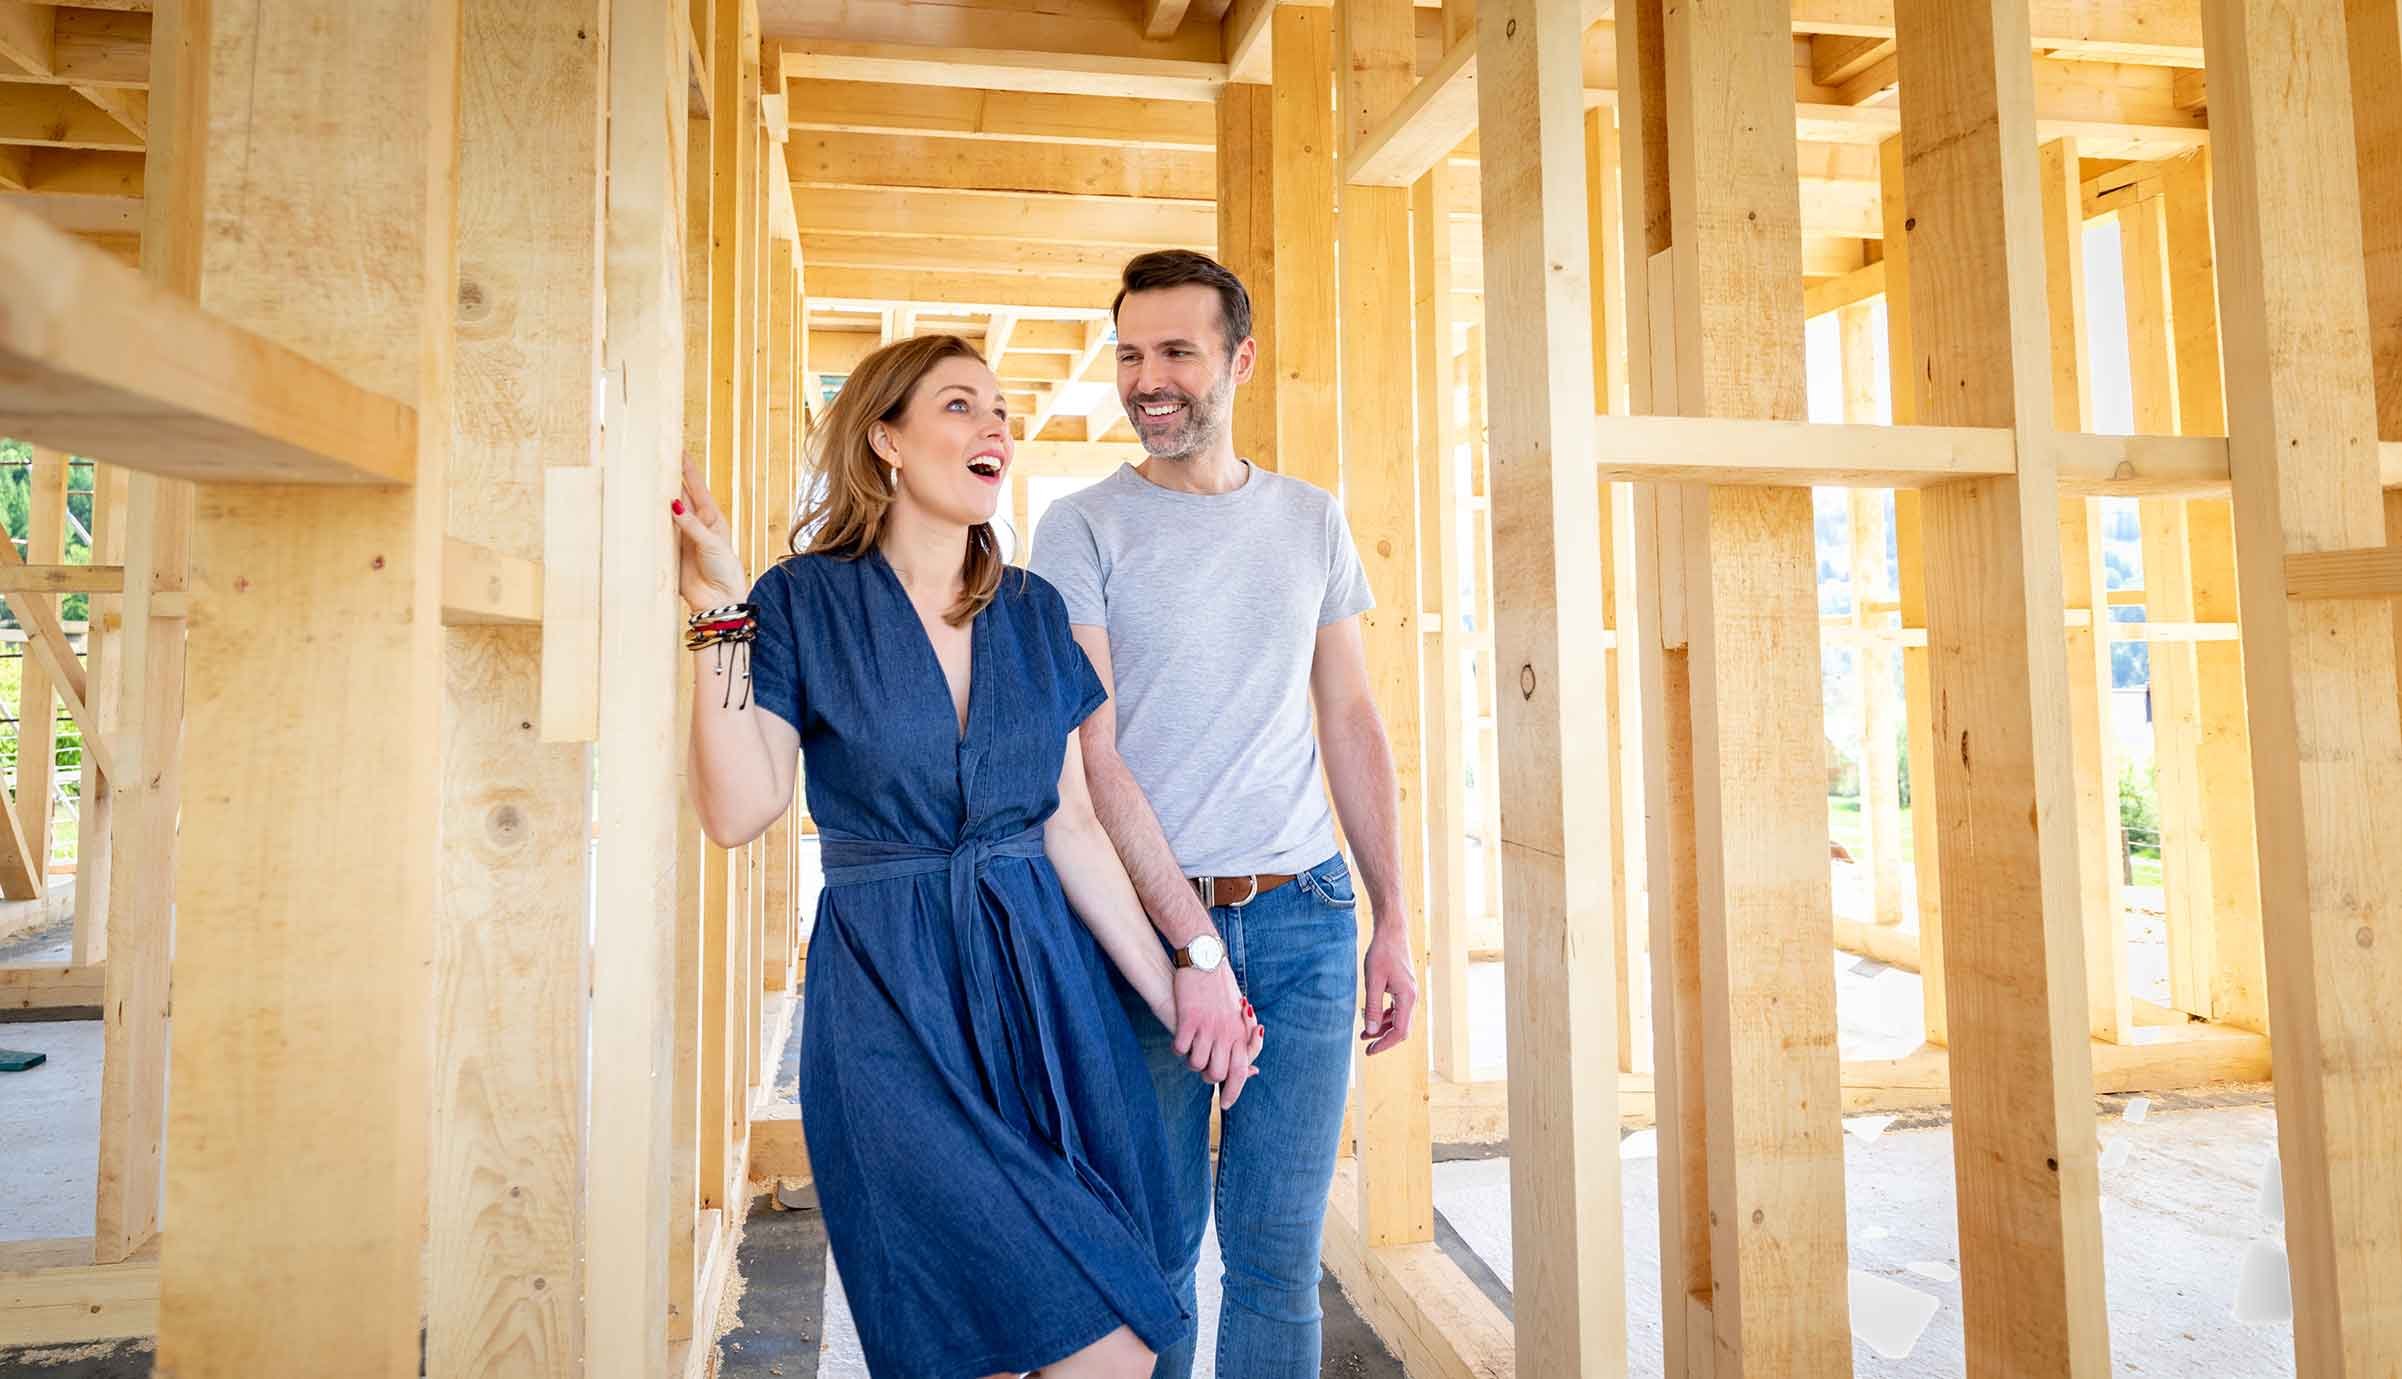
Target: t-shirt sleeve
{"points": [[1079, 684], [1068, 556], [1347, 591], [776, 653]]}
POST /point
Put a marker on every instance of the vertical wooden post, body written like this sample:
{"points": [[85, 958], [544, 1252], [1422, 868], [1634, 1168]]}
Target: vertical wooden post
{"points": [[1247, 246], [37, 706], [104, 680], [2022, 1082], [1564, 1213], [2239, 985], [1768, 1004], [1445, 723], [636, 1191], [1663, 660], [510, 975], [1484, 706], [1302, 187], [2085, 586], [1910, 572], [1880, 779], [1380, 494], [2303, 424], [778, 883], [2168, 590], [330, 231]]}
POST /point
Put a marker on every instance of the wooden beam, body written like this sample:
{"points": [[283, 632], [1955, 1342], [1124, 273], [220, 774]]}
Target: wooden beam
{"points": [[2029, 1192], [37, 714], [1247, 246], [1444, 719], [1004, 215], [75, 1305], [337, 224], [2302, 411], [976, 292], [48, 644], [1131, 122], [1547, 602], [1833, 294], [56, 117], [1380, 492], [1161, 18], [939, 161], [197, 396], [2172, 29], [1002, 69], [1303, 185], [506, 1210], [1424, 128], [1837, 58]]}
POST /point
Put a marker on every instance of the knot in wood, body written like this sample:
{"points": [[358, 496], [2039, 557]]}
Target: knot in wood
{"points": [[1526, 682]]}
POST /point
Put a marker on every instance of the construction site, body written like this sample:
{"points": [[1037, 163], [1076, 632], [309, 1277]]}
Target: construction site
{"points": [[1878, 517]]}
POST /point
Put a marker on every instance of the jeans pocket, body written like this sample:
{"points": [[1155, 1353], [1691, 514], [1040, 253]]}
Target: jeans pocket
{"points": [[1331, 882]]}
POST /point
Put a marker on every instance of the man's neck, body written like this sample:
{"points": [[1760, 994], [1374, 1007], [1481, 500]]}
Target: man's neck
{"points": [[1213, 471]]}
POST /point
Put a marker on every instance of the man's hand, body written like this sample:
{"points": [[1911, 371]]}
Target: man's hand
{"points": [[1213, 1028], [1391, 990]]}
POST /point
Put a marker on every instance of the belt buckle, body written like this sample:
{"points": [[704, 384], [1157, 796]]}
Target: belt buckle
{"points": [[1250, 896]]}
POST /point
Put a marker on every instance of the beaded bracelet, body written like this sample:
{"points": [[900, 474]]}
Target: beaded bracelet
{"points": [[735, 625]]}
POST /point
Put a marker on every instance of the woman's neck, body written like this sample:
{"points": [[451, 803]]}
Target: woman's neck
{"points": [[927, 553]]}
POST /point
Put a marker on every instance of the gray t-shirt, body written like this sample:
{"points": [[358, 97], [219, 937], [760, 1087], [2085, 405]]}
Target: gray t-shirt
{"points": [[1212, 603]]}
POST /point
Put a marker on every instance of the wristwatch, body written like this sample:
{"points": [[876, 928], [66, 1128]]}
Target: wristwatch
{"points": [[1203, 953]]}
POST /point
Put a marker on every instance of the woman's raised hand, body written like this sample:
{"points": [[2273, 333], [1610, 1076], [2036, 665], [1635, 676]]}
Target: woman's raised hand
{"points": [[709, 574]]}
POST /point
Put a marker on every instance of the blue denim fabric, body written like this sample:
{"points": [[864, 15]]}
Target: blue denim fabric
{"points": [[1294, 954]]}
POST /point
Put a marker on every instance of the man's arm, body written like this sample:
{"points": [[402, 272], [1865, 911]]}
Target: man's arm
{"points": [[1210, 1030], [1367, 796]]}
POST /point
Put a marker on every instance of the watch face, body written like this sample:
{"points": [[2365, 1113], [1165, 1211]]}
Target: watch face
{"points": [[1206, 952]]}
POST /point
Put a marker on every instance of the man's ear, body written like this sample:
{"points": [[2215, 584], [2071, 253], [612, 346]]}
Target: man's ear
{"points": [[1246, 357]]}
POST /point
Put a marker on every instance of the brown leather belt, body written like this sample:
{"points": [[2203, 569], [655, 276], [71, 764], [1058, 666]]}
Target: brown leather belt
{"points": [[1235, 891]]}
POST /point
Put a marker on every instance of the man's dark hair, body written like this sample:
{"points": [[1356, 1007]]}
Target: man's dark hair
{"points": [[1164, 268]]}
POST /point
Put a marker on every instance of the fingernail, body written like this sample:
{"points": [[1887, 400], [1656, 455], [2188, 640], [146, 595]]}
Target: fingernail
{"points": [[676, 506]]}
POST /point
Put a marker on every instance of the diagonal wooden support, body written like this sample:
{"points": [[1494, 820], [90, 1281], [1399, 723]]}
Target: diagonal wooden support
{"points": [[48, 641]]}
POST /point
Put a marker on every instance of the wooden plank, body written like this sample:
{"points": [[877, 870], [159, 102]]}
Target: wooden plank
{"points": [[55, 116], [1004, 69], [200, 397], [1880, 766], [1302, 184], [64, 579], [48, 644], [1380, 495], [482, 586], [570, 602], [784, 425], [1039, 219], [1768, 1016], [2371, 573], [1428, 1313], [1565, 1225], [333, 225], [1833, 294], [2030, 1219], [2094, 760], [1786, 452], [628, 1181], [854, 107], [2302, 416], [1161, 18], [1445, 718], [51, 988], [1424, 128], [506, 1228], [68, 1306], [1247, 246], [37, 714], [2171, 29], [924, 160], [973, 292], [2373, 32]]}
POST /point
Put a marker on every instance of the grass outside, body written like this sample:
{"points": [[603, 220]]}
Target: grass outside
{"points": [[1846, 826]]}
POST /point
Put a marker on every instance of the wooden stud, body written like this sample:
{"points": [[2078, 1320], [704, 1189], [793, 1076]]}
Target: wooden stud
{"points": [[778, 883], [1380, 497], [2302, 423], [1445, 719], [104, 665], [1247, 217], [510, 974], [2029, 1192], [2086, 587], [1564, 1178], [333, 231], [1768, 1004], [1918, 714], [37, 715], [1302, 188], [1880, 779]]}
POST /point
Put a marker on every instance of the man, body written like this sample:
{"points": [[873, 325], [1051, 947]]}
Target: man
{"points": [[1220, 603]]}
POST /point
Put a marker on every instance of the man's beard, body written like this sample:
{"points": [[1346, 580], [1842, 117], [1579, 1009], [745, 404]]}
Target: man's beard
{"points": [[1197, 428]]}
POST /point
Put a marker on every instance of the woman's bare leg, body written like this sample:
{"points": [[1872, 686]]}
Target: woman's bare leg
{"points": [[1118, 1355]]}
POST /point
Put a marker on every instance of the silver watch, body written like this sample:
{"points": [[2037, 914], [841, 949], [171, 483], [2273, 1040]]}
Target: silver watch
{"points": [[1203, 953]]}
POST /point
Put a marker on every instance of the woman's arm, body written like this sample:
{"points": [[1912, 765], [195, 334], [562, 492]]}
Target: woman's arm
{"points": [[1102, 896], [742, 755]]}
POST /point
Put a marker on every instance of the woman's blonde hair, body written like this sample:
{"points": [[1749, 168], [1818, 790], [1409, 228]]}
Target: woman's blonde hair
{"points": [[849, 488]]}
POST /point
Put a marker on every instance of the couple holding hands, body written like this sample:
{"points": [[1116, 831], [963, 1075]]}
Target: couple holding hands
{"points": [[1081, 878]]}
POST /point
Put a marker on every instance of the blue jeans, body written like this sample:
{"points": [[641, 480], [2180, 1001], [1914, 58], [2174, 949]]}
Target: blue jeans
{"points": [[1294, 952]]}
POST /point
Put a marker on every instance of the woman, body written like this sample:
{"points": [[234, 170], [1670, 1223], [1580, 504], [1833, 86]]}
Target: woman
{"points": [[986, 1141]]}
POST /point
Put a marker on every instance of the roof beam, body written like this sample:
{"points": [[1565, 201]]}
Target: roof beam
{"points": [[2170, 28], [1025, 294], [1074, 74], [824, 249], [857, 107], [69, 46], [904, 160], [58, 117], [1023, 218]]}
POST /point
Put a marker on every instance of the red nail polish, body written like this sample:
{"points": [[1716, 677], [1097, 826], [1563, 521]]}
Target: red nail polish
{"points": [[676, 506]]}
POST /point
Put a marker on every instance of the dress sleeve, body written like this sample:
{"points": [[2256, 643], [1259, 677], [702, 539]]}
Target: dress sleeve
{"points": [[1079, 684], [775, 658]]}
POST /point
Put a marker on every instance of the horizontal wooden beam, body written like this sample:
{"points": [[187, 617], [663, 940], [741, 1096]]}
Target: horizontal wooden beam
{"points": [[996, 69], [2373, 573], [52, 988], [1785, 453], [96, 361], [62, 579], [1835, 293], [1416, 1299], [59, 117], [482, 587], [2166, 29], [1422, 130], [945, 253], [1007, 216], [96, 1302], [926, 160], [856, 107], [1025, 294], [74, 45]]}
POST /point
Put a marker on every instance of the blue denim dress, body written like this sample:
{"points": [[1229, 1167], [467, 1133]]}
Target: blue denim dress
{"points": [[987, 1144]]}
